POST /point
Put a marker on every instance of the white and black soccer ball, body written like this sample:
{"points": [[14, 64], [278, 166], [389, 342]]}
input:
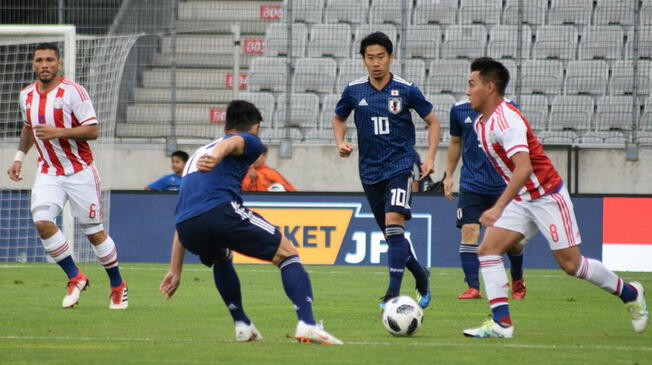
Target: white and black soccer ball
{"points": [[402, 316]]}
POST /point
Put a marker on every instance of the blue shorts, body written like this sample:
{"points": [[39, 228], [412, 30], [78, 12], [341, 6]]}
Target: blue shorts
{"points": [[229, 225], [470, 206], [391, 195]]}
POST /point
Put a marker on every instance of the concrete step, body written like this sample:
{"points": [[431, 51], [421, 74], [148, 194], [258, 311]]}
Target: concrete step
{"points": [[162, 130], [202, 60], [186, 113], [200, 44], [161, 95], [249, 27], [186, 78], [223, 10]]}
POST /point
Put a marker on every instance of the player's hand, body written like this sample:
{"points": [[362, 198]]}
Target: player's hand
{"points": [[14, 171], [206, 163], [490, 216], [427, 168], [170, 284], [47, 132], [448, 187], [345, 149]]}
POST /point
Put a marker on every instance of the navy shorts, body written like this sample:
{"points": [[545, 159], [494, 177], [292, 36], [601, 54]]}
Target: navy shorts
{"points": [[229, 225], [470, 206], [391, 195]]}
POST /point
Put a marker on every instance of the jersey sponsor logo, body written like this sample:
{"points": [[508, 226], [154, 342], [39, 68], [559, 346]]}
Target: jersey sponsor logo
{"points": [[58, 103], [394, 105], [394, 93], [363, 102]]}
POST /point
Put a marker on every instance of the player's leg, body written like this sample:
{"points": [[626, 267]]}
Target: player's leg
{"points": [[515, 254], [48, 198], [469, 208], [84, 192]]}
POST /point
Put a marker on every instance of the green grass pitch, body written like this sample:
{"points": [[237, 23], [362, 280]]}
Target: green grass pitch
{"points": [[562, 320]]}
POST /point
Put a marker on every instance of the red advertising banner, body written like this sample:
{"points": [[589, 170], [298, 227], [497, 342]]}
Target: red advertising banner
{"points": [[271, 12], [254, 46], [243, 80], [218, 115]]}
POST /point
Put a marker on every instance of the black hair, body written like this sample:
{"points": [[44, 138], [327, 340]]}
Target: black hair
{"points": [[492, 70], [376, 38], [264, 150], [181, 154], [46, 45], [242, 115]]}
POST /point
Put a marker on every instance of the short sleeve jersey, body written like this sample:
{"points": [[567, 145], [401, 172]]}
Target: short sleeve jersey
{"points": [[384, 125], [170, 182], [203, 191]]}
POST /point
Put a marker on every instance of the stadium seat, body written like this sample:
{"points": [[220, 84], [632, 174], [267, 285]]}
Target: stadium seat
{"points": [[557, 137], [330, 40], [364, 30], [503, 41], [534, 12], [441, 104], [346, 11], [265, 102], [614, 12], [350, 69], [645, 123], [614, 112], [535, 109], [305, 11], [622, 77], [571, 112], [542, 77], [328, 111], [570, 12], [422, 41], [555, 41], [603, 137], [646, 13], [295, 134], [314, 75], [276, 40], [435, 12], [267, 73], [448, 76], [645, 138], [415, 71], [387, 11], [601, 42], [511, 67], [644, 43], [464, 41], [304, 111], [586, 77], [480, 11]]}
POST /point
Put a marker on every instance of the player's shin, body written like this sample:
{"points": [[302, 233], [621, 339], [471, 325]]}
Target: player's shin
{"points": [[595, 272], [57, 247], [228, 284], [107, 255], [297, 287], [470, 264], [496, 285], [398, 253]]}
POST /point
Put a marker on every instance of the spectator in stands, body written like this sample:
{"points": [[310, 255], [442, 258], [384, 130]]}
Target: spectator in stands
{"points": [[264, 178], [171, 182]]}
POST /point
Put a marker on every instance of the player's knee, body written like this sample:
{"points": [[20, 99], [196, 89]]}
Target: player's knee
{"points": [[517, 249], [228, 257], [45, 228], [92, 229], [285, 250], [470, 234]]}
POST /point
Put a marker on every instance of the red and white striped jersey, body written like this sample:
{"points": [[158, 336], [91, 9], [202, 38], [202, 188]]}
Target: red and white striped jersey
{"points": [[66, 106], [505, 133]]}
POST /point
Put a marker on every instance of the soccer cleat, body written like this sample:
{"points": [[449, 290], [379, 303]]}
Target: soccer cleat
{"points": [[470, 293], [490, 329], [76, 285], [424, 299], [118, 297], [246, 332], [518, 289], [315, 334], [638, 308]]}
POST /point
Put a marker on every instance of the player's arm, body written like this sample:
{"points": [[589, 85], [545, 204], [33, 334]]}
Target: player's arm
{"points": [[454, 153], [81, 133], [520, 175], [24, 144], [229, 146], [433, 143], [172, 279], [339, 130]]}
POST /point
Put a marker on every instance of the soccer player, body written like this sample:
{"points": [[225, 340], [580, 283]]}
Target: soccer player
{"points": [[386, 139], [535, 198], [59, 119], [211, 221], [480, 188], [171, 182]]}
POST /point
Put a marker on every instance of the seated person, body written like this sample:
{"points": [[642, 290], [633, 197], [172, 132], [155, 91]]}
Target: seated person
{"points": [[171, 182], [264, 178]]}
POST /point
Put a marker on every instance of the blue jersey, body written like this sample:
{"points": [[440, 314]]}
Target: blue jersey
{"points": [[170, 182], [203, 191], [384, 125], [478, 175]]}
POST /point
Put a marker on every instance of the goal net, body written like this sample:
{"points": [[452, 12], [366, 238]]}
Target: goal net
{"points": [[95, 62]]}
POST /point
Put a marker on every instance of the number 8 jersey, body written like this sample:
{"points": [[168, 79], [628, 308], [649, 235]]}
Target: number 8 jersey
{"points": [[384, 125]]}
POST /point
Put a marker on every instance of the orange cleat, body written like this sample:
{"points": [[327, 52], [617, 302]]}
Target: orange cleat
{"points": [[470, 293], [518, 289]]}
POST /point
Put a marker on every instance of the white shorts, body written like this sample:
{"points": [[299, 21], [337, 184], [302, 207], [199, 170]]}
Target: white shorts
{"points": [[551, 214], [82, 189]]}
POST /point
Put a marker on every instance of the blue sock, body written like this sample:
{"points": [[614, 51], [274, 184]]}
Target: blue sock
{"points": [[500, 315], [516, 265], [228, 284], [419, 273], [628, 294], [398, 254], [470, 265], [297, 287], [68, 265], [114, 276]]}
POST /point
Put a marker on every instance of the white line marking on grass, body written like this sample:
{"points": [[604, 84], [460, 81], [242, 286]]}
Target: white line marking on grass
{"points": [[465, 344]]}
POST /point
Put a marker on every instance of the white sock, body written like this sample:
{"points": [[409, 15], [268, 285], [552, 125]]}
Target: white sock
{"points": [[57, 246], [495, 279], [598, 274], [106, 253]]}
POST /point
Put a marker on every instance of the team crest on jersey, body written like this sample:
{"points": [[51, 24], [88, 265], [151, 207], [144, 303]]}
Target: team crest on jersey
{"points": [[58, 103], [394, 105]]}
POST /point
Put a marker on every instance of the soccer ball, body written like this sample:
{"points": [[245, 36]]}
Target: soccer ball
{"points": [[402, 316]]}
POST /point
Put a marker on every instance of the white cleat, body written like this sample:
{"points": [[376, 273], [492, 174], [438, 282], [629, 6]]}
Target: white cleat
{"points": [[490, 329], [638, 308], [246, 332], [315, 334], [118, 297], [75, 285]]}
